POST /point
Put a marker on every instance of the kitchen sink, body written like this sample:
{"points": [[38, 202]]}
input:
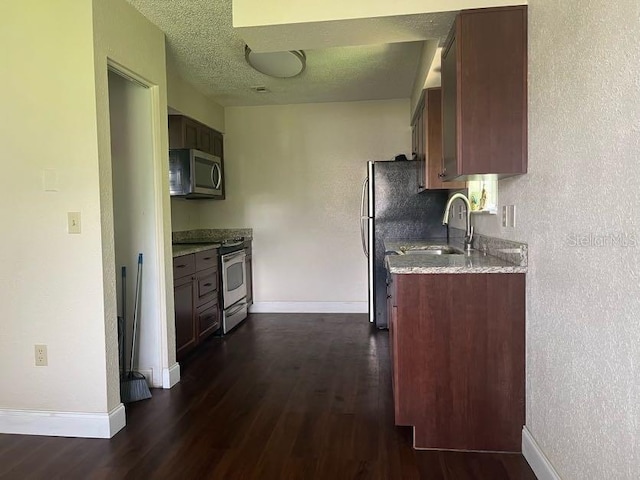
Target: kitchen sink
{"points": [[430, 250]]}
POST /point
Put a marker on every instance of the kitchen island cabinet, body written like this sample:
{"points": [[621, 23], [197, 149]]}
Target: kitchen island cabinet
{"points": [[484, 88], [457, 349]]}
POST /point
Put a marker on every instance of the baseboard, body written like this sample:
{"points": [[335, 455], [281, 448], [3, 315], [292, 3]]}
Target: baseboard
{"points": [[309, 307], [148, 376], [63, 424], [171, 376], [536, 458]]}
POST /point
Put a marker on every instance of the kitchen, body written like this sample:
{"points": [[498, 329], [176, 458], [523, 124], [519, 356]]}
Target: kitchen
{"points": [[562, 138]]}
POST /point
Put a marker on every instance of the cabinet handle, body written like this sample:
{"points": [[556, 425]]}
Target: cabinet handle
{"points": [[441, 174], [207, 258], [207, 284], [180, 266]]}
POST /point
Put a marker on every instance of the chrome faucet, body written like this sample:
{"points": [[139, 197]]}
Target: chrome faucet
{"points": [[468, 238]]}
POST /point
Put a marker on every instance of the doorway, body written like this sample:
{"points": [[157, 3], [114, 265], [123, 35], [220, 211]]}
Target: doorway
{"points": [[134, 217]]}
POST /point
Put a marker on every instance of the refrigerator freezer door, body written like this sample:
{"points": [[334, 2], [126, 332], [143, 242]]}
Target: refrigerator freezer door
{"points": [[370, 239]]}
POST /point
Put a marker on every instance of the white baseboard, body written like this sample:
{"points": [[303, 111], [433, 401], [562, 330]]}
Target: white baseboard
{"points": [[148, 376], [536, 458], [309, 307], [171, 376], [63, 424]]}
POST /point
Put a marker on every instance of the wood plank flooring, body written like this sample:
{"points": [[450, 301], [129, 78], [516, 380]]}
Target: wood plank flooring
{"points": [[283, 397]]}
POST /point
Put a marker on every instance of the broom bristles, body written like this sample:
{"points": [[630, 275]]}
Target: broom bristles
{"points": [[133, 387]]}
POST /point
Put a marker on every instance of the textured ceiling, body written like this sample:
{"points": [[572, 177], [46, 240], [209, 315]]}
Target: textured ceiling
{"points": [[209, 53]]}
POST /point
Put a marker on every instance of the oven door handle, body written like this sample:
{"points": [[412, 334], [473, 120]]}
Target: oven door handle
{"points": [[230, 256]]}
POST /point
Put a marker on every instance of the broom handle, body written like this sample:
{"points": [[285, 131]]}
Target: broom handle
{"points": [[136, 313]]}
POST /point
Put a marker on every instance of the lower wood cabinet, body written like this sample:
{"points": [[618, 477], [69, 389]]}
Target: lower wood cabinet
{"points": [[197, 307], [458, 350]]}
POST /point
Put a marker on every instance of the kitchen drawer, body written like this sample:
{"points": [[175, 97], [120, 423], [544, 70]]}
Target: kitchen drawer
{"points": [[207, 288], [206, 259], [208, 319], [183, 266]]}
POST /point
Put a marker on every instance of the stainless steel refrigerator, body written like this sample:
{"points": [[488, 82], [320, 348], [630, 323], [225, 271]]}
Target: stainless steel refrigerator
{"points": [[392, 208]]}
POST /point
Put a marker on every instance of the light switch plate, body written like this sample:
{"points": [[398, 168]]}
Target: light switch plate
{"points": [[73, 222]]}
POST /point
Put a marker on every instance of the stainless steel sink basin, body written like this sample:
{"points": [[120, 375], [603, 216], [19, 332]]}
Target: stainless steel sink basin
{"points": [[430, 250]]}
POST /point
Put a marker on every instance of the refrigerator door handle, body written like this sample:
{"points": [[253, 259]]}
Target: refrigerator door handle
{"points": [[363, 217], [363, 205]]}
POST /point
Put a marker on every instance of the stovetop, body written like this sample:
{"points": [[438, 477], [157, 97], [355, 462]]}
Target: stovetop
{"points": [[230, 245]]}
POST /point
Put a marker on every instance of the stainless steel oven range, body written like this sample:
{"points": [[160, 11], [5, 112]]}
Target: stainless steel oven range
{"points": [[234, 283]]}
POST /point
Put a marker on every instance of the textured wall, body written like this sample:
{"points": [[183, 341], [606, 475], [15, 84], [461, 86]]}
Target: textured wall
{"points": [[294, 174], [583, 333]]}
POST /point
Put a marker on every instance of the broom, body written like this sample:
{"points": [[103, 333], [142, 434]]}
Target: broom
{"points": [[133, 386]]}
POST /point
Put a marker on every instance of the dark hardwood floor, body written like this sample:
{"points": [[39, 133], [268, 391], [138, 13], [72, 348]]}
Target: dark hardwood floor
{"points": [[283, 397]]}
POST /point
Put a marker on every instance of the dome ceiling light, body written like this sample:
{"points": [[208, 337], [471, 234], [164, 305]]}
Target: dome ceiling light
{"points": [[277, 64]]}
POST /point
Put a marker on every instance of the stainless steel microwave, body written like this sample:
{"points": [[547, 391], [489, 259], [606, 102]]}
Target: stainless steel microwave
{"points": [[195, 174]]}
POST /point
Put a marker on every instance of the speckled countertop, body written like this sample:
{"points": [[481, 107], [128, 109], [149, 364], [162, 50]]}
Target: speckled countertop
{"points": [[180, 249], [194, 241], [474, 262]]}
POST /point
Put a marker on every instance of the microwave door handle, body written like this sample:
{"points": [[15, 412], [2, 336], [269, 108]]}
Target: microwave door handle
{"points": [[216, 184]]}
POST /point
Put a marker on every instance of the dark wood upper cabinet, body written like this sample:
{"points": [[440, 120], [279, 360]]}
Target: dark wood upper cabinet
{"points": [[185, 132], [427, 142], [484, 88], [433, 142]]}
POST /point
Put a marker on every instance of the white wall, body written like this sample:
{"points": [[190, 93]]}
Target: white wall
{"points": [[583, 303], [59, 289], [51, 281], [133, 215], [294, 174], [125, 38], [185, 98]]}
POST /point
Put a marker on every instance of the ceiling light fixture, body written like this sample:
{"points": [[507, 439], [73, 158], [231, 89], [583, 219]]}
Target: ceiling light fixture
{"points": [[277, 64]]}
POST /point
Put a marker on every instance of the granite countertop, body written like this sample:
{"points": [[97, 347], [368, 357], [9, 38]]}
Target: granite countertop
{"points": [[193, 241], [475, 261], [180, 249]]}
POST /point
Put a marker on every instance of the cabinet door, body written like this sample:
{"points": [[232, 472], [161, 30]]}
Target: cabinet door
{"points": [[207, 319], [218, 144], [418, 143], [205, 139], [191, 134], [449, 111], [185, 329], [484, 87], [433, 139]]}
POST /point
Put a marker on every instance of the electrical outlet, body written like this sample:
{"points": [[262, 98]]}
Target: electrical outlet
{"points": [[73, 222], [504, 216], [41, 356], [460, 212]]}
